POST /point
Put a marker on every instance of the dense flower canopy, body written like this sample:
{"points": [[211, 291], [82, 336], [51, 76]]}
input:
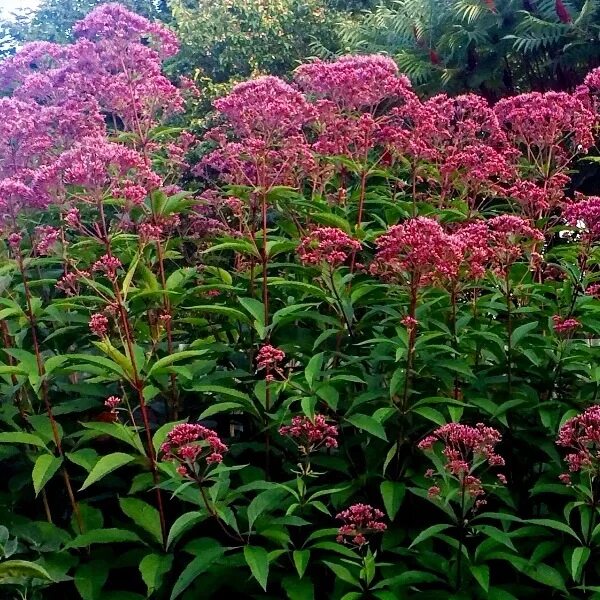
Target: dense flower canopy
{"points": [[241, 334]]}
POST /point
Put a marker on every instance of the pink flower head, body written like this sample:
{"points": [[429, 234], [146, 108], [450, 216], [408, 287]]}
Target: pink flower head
{"points": [[565, 325], [269, 358], [465, 448], [265, 106], [510, 236], [194, 447], [550, 125], [581, 436], [593, 290], [354, 82], [46, 237], [72, 218], [359, 520], [149, 232], [99, 324], [420, 249], [311, 434], [112, 402], [585, 214], [326, 245], [409, 322], [14, 240], [112, 21], [108, 265], [535, 200], [69, 283], [434, 491]]}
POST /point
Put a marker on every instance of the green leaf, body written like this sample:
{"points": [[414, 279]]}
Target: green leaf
{"points": [[144, 515], [520, 332], [257, 309], [17, 437], [431, 414], [118, 431], [558, 525], [182, 524], [579, 559], [263, 502], [89, 579], [429, 533], [343, 573], [301, 558], [497, 534], [14, 569], [208, 551], [368, 424], [481, 573], [166, 361], [257, 558], [298, 589], [313, 368], [153, 568], [44, 469], [392, 493], [107, 464], [103, 536]]}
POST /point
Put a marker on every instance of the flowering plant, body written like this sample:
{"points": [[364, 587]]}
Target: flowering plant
{"points": [[211, 348]]}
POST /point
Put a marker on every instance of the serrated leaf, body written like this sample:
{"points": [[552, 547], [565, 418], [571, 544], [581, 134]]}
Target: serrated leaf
{"points": [[144, 515], [103, 536], [107, 464], [182, 524], [301, 558], [153, 568], [257, 558], [17, 437], [368, 424], [44, 469], [429, 533], [392, 493]]}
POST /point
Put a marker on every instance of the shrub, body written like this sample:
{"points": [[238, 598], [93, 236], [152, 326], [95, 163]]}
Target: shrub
{"points": [[358, 339]]}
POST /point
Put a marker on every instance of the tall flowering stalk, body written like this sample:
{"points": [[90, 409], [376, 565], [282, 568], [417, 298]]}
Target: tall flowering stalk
{"points": [[309, 434], [329, 248], [465, 451]]}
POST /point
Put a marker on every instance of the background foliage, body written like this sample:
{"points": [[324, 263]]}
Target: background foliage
{"points": [[496, 47]]}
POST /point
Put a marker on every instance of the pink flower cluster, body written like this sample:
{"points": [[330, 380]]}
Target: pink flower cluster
{"points": [[565, 325], [581, 436], [585, 214], [54, 130], [360, 520], [266, 106], [593, 290], [554, 123], [353, 82], [107, 264], [112, 402], [194, 447], [311, 434], [465, 448], [423, 251], [326, 245], [46, 237], [269, 358], [99, 324]]}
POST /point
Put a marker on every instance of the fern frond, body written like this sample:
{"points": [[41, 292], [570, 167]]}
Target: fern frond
{"points": [[589, 10], [416, 67], [470, 10]]}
